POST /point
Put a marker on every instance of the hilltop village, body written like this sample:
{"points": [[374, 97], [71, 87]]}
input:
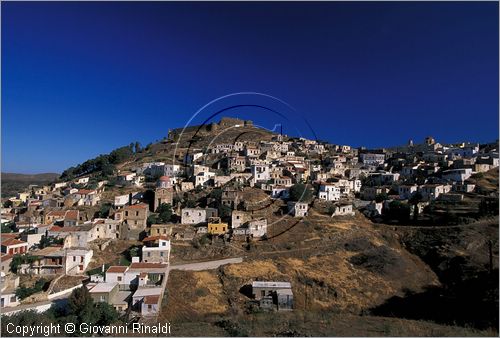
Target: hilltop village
{"points": [[119, 229]]}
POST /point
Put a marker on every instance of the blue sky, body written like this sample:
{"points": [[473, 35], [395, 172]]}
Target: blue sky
{"points": [[80, 79]]}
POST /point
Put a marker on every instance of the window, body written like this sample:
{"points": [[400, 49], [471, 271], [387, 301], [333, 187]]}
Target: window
{"points": [[149, 254], [263, 293], [74, 258], [161, 254], [150, 307], [137, 213], [119, 278], [126, 213], [102, 299]]}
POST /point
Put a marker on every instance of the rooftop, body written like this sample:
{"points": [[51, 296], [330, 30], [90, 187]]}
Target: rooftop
{"points": [[117, 269], [281, 285], [103, 287], [151, 299], [143, 292]]}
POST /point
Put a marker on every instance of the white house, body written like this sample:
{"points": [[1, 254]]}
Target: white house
{"points": [[432, 191], [156, 249], [172, 170], [77, 260], [298, 209], [372, 159], [329, 192], [197, 215], [457, 175], [406, 191], [202, 178], [260, 173], [82, 180], [343, 209], [256, 228], [280, 192]]}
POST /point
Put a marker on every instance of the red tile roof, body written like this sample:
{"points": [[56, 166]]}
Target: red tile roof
{"points": [[137, 206], [12, 241], [155, 238], [117, 269], [5, 257], [69, 229], [11, 235], [71, 214], [151, 299], [84, 191], [57, 213]]}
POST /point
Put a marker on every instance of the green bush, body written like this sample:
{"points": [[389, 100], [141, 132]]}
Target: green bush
{"points": [[23, 292]]}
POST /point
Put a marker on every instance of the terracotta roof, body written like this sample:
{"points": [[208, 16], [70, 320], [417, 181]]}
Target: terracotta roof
{"points": [[59, 213], [12, 241], [147, 265], [71, 214], [151, 299], [117, 269], [84, 227], [11, 235], [84, 191], [5, 257], [137, 206], [155, 238]]}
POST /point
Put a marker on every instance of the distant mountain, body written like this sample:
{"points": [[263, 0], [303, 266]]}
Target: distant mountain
{"points": [[13, 183]]}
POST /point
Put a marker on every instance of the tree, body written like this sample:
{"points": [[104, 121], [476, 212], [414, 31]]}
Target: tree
{"points": [[398, 211], [414, 200], [381, 197], [17, 260], [46, 241], [152, 219], [164, 212], [138, 148], [121, 154], [300, 192], [23, 292], [8, 227], [216, 194], [79, 300], [106, 314], [224, 211], [104, 210]]}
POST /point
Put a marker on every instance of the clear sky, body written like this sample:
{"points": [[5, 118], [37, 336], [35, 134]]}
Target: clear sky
{"points": [[80, 79]]}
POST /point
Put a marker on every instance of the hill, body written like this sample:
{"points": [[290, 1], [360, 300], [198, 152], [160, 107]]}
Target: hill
{"points": [[12, 183], [179, 142]]}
